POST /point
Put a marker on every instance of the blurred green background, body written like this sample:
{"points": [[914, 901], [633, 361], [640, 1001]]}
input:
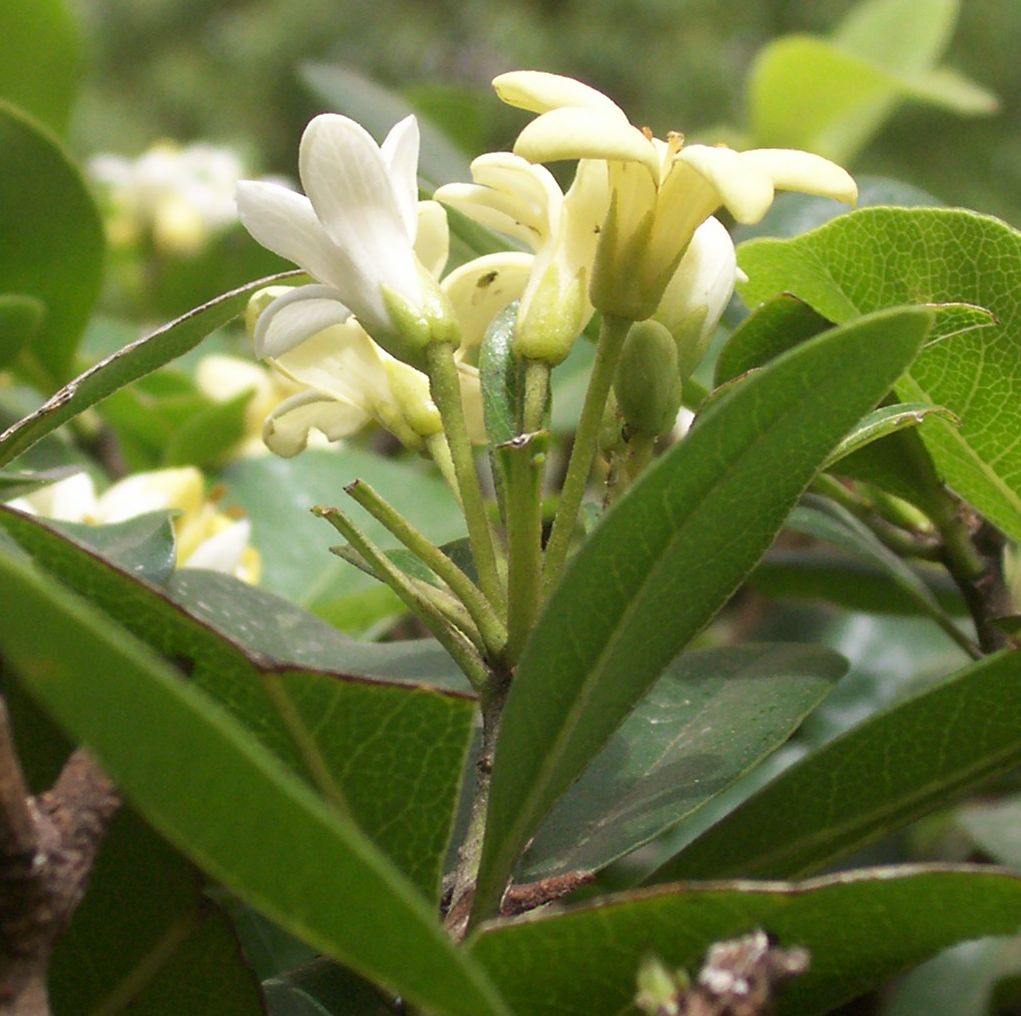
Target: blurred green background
{"points": [[229, 72]]}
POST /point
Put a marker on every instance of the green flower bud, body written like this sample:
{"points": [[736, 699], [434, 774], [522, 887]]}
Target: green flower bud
{"points": [[416, 326], [647, 385]]}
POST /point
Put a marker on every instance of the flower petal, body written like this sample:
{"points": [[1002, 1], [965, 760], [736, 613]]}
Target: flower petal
{"points": [[481, 288], [489, 208], [285, 223], [342, 362], [540, 91], [744, 187], [400, 153], [149, 492], [804, 172], [348, 182], [223, 551], [292, 318], [575, 133], [286, 429], [432, 242]]}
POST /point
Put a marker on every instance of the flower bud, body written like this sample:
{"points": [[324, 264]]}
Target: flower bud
{"points": [[647, 385], [417, 325], [551, 317]]}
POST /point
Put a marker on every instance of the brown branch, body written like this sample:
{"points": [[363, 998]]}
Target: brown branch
{"points": [[47, 848]]}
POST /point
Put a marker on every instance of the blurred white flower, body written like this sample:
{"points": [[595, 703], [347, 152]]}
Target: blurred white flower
{"points": [[181, 196], [205, 537]]}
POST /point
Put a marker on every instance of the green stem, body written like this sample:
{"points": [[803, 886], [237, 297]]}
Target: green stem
{"points": [[454, 641], [445, 388], [524, 459], [533, 407], [611, 339], [640, 448], [492, 631], [438, 448]]}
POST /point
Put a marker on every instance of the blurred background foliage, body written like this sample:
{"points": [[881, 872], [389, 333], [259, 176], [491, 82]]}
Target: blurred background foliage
{"points": [[231, 72]]}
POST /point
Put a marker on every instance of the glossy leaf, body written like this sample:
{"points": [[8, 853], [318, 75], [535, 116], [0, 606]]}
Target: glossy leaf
{"points": [[322, 989], [498, 375], [170, 951], [712, 716], [214, 791], [667, 556], [313, 698], [911, 758], [860, 927], [40, 56], [882, 257], [58, 259], [378, 109], [128, 364]]}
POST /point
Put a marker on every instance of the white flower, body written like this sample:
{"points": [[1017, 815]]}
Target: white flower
{"points": [[356, 233], [698, 293], [524, 201], [182, 196], [205, 537], [661, 191]]}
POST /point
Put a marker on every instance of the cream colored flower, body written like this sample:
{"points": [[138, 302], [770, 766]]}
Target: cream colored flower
{"points": [[524, 201], [205, 537], [661, 191]]}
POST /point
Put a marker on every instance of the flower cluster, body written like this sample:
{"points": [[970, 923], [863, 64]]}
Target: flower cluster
{"points": [[633, 237]]}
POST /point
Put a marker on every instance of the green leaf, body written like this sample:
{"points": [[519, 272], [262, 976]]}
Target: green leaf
{"points": [[378, 109], [860, 927], [211, 789], [827, 521], [277, 494], [882, 423], [313, 698], [209, 436], [129, 364], [170, 951], [21, 317], [40, 57], [323, 989], [498, 375], [909, 34], [58, 257], [667, 556], [896, 766], [713, 715], [807, 575], [882, 257]]}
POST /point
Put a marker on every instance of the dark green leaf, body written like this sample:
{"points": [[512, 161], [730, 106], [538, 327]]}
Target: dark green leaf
{"points": [[323, 989], [146, 940], [667, 556], [882, 423], [215, 792], [40, 54], [860, 927], [905, 761], [58, 257], [313, 698], [712, 715], [498, 374], [127, 365], [881, 257], [808, 575]]}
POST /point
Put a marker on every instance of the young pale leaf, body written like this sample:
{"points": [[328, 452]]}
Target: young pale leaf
{"points": [[214, 791], [894, 767], [713, 715], [882, 423], [128, 364], [666, 558], [880, 257], [58, 259], [913, 911], [311, 697]]}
